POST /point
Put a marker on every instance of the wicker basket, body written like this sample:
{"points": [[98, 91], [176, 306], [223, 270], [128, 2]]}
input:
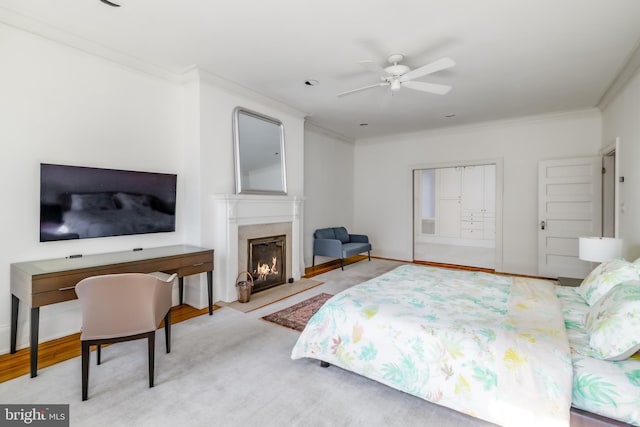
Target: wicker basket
{"points": [[244, 287]]}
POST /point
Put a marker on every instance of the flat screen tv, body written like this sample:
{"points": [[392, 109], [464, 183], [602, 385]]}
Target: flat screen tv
{"points": [[82, 202]]}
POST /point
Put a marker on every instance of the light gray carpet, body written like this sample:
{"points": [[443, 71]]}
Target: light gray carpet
{"points": [[230, 369]]}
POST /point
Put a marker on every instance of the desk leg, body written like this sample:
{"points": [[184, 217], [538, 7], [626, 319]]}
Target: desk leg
{"points": [[35, 322], [15, 303], [210, 291], [181, 288]]}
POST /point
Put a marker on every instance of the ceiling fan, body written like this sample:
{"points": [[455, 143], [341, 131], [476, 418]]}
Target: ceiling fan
{"points": [[397, 75]]}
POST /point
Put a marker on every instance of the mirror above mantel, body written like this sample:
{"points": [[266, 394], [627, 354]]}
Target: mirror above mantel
{"points": [[259, 153]]}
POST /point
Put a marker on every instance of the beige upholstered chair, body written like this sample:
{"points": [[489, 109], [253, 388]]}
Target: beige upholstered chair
{"points": [[123, 307]]}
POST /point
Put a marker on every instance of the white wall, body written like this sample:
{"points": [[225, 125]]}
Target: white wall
{"points": [[217, 100], [383, 176], [621, 119], [328, 185], [61, 105]]}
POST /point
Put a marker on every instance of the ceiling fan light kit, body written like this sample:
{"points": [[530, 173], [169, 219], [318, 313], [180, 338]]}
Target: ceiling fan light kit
{"points": [[398, 75]]}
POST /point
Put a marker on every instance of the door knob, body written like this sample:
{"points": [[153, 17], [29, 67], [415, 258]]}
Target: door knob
{"points": [[542, 225]]}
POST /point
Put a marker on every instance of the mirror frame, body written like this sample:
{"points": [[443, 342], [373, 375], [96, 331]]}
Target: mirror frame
{"points": [[244, 188]]}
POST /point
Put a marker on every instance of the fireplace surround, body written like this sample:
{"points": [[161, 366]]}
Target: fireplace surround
{"points": [[233, 219]]}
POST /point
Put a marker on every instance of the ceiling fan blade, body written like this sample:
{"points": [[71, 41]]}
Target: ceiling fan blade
{"points": [[440, 64], [349, 92], [428, 87], [374, 67]]}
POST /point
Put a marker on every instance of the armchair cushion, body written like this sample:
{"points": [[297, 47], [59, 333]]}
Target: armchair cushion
{"points": [[324, 233], [360, 238], [342, 234], [350, 249]]}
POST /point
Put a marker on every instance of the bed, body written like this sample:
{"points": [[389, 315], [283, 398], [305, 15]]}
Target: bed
{"points": [[509, 350]]}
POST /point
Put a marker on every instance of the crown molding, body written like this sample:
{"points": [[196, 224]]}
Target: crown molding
{"points": [[626, 73], [314, 127], [207, 77], [49, 32], [493, 124]]}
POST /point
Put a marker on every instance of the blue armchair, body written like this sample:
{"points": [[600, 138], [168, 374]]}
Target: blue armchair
{"points": [[336, 242]]}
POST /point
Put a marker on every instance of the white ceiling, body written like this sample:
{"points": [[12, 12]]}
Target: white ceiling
{"points": [[514, 57]]}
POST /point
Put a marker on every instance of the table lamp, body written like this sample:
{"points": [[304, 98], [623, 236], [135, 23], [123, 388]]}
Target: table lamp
{"points": [[599, 249]]}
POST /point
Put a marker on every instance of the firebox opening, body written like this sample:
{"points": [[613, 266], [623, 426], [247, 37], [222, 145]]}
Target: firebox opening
{"points": [[266, 261]]}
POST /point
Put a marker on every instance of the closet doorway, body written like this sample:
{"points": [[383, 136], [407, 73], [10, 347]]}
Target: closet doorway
{"points": [[455, 215], [610, 191]]}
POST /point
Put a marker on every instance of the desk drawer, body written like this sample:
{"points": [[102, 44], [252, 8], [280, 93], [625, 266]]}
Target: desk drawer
{"points": [[55, 282], [183, 265], [53, 297], [178, 263], [195, 269]]}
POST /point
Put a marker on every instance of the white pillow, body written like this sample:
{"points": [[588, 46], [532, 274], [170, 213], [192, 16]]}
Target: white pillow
{"points": [[604, 277], [613, 323]]}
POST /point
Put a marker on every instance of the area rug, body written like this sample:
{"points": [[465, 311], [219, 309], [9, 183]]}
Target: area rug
{"points": [[297, 316]]}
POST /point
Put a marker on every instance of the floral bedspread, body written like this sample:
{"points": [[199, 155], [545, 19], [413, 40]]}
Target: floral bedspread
{"points": [[493, 347], [611, 389]]}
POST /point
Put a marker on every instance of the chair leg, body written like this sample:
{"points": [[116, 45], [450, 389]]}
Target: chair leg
{"points": [[167, 331], [369, 252], [86, 348], [313, 263], [99, 354], [342, 263], [151, 341]]}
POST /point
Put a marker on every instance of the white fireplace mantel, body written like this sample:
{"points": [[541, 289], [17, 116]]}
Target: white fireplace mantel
{"points": [[226, 212]]}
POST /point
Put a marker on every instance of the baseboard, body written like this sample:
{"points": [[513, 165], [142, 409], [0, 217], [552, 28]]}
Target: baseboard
{"points": [[455, 266], [331, 265]]}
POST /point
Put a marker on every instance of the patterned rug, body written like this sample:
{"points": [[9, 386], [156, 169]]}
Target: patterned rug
{"points": [[297, 316]]}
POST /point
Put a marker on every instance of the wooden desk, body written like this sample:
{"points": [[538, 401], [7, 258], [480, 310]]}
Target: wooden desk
{"points": [[40, 283]]}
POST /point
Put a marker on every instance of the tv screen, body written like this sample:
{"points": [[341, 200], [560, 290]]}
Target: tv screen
{"points": [[84, 202]]}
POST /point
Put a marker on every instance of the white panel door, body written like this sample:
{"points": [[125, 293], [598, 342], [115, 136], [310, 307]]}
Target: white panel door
{"points": [[448, 197], [489, 215], [448, 182], [473, 189], [490, 189], [448, 218], [569, 206]]}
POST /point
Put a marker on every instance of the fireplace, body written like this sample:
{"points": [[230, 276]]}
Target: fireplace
{"points": [[236, 218], [266, 261]]}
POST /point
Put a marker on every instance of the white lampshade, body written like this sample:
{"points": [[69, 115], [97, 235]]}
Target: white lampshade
{"points": [[599, 249]]}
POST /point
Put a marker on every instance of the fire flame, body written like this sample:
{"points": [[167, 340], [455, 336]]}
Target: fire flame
{"points": [[263, 270]]}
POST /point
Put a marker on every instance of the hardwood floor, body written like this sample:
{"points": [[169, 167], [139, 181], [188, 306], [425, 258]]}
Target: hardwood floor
{"points": [[331, 265], [454, 266], [65, 348]]}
